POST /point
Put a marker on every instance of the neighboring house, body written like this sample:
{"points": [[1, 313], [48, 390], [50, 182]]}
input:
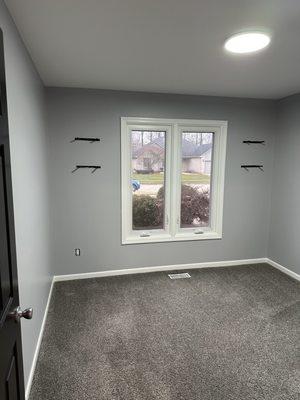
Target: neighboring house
{"points": [[150, 157]]}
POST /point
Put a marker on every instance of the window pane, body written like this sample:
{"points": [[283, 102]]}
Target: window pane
{"points": [[196, 170], [148, 150]]}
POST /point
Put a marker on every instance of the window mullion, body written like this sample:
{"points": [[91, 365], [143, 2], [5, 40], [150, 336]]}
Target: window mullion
{"points": [[168, 180], [175, 194]]}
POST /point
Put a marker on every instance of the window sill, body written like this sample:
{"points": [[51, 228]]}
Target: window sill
{"points": [[179, 237]]}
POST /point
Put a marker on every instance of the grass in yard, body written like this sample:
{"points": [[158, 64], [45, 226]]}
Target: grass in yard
{"points": [[157, 178]]}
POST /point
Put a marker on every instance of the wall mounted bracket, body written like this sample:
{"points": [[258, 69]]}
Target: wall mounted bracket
{"points": [[93, 167], [85, 139], [254, 141], [247, 167]]}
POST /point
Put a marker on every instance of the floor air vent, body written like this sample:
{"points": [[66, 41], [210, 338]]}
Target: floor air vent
{"points": [[184, 275]]}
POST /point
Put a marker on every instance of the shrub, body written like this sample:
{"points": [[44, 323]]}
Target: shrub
{"points": [[146, 211], [149, 211], [194, 204]]}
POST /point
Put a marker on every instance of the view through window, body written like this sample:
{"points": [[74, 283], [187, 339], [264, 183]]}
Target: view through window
{"points": [[148, 150], [196, 163]]}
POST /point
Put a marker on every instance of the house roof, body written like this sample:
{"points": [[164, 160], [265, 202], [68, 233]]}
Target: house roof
{"points": [[189, 149]]}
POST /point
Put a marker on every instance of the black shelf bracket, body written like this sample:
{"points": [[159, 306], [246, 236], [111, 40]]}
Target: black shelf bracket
{"points": [[85, 139], [93, 167], [247, 167], [254, 141]]}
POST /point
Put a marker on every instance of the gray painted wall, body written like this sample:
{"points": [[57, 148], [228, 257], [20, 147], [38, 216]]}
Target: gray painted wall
{"points": [[285, 217], [85, 208], [30, 183]]}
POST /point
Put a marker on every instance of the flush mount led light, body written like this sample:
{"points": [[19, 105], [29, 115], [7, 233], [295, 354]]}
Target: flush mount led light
{"points": [[247, 42]]}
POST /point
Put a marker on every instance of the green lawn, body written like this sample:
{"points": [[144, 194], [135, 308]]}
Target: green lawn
{"points": [[157, 178]]}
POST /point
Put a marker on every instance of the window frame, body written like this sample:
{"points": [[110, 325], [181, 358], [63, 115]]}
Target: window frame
{"points": [[173, 128]]}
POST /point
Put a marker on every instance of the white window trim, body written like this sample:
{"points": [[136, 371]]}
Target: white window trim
{"points": [[173, 128]]}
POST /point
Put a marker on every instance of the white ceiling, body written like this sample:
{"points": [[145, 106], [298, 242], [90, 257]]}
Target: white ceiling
{"points": [[173, 46]]}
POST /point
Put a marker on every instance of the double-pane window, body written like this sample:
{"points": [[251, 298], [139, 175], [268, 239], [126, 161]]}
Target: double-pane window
{"points": [[172, 179]]}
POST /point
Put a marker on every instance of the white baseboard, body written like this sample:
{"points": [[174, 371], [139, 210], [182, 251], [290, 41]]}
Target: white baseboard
{"points": [[144, 270], [38, 345], [283, 269]]}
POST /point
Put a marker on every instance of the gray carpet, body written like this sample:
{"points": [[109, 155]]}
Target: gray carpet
{"points": [[226, 333]]}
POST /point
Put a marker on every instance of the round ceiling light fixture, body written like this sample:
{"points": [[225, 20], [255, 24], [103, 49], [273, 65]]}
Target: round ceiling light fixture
{"points": [[247, 42]]}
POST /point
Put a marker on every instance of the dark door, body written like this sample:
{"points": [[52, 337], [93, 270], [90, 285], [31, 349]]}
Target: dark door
{"points": [[11, 366]]}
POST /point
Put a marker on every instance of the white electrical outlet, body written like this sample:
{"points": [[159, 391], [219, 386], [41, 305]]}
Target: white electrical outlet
{"points": [[77, 252]]}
